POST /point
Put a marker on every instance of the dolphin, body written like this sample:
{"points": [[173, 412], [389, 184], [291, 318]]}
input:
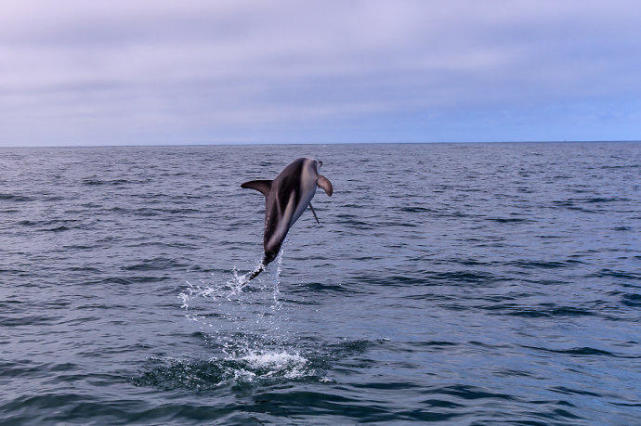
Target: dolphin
{"points": [[286, 198]]}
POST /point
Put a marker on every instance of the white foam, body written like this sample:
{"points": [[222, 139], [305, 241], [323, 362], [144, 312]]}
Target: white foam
{"points": [[291, 364], [277, 360]]}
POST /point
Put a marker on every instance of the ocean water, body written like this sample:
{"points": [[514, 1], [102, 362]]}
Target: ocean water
{"points": [[462, 283]]}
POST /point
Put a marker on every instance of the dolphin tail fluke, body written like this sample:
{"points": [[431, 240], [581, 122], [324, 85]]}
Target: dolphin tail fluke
{"points": [[263, 264], [255, 273]]}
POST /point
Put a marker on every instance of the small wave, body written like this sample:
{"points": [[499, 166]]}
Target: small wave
{"points": [[455, 214], [541, 264], [352, 222], [321, 287], [617, 274], [158, 211], [586, 350], [632, 300], [389, 386], [27, 223], [45, 400], [569, 391], [621, 228], [54, 225], [390, 280], [352, 347], [12, 197], [23, 368], [470, 276], [13, 271], [629, 166], [132, 279], [158, 263], [575, 203], [562, 311], [469, 392], [97, 182], [462, 261], [402, 224], [57, 229], [605, 199], [431, 345], [31, 223], [27, 320], [508, 372], [416, 209], [90, 269], [426, 278], [508, 219]]}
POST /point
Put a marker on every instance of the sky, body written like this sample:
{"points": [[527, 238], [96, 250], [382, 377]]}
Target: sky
{"points": [[208, 72]]}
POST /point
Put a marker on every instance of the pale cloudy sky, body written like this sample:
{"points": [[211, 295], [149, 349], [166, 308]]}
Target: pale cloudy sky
{"points": [[196, 72]]}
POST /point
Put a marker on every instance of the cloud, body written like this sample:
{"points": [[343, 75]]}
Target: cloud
{"points": [[76, 72]]}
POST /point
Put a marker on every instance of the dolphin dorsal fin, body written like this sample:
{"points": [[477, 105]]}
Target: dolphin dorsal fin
{"points": [[263, 186], [324, 183]]}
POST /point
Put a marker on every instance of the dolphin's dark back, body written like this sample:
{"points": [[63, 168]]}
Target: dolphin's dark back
{"points": [[288, 190]]}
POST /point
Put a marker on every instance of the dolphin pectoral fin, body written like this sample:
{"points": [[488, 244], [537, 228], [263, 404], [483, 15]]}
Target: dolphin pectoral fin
{"points": [[314, 213], [324, 183], [263, 186]]}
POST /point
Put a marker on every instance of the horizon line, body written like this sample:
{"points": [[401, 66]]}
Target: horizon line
{"points": [[322, 143]]}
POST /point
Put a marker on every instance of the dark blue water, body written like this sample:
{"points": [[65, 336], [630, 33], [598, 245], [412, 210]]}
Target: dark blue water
{"points": [[469, 283]]}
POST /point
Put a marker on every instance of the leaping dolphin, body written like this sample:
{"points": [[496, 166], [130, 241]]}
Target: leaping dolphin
{"points": [[286, 198]]}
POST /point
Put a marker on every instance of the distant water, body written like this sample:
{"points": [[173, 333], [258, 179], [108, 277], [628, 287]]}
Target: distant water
{"points": [[471, 283]]}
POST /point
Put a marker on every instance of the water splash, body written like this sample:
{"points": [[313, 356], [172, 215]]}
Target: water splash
{"points": [[238, 317], [233, 288]]}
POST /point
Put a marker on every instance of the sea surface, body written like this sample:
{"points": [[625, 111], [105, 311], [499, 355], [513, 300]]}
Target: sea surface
{"points": [[453, 283]]}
